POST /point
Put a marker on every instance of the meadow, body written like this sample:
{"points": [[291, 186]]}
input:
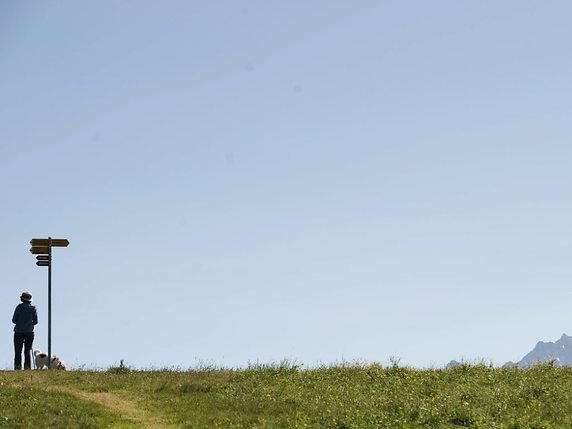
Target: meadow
{"points": [[287, 396]]}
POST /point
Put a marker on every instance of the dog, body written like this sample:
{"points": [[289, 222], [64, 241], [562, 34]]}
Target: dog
{"points": [[41, 361]]}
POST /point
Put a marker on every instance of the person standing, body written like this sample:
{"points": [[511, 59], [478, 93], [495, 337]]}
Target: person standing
{"points": [[25, 318]]}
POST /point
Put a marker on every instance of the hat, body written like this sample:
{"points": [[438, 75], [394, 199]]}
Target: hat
{"points": [[26, 296]]}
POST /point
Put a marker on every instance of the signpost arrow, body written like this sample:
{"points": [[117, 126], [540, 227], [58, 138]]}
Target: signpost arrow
{"points": [[43, 260], [36, 250], [56, 242]]}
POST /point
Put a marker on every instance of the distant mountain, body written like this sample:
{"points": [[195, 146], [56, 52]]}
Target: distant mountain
{"points": [[453, 364], [560, 352]]}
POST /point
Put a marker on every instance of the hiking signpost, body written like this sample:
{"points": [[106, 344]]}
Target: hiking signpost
{"points": [[43, 248]]}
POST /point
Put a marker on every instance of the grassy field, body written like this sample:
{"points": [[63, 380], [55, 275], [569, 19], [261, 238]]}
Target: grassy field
{"points": [[283, 396]]}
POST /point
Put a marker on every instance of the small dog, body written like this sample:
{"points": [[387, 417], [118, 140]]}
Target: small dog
{"points": [[41, 361]]}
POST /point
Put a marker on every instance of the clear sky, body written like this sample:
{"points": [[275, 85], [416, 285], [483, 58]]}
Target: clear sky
{"points": [[320, 181]]}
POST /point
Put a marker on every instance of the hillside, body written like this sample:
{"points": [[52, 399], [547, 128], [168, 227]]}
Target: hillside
{"points": [[287, 397]]}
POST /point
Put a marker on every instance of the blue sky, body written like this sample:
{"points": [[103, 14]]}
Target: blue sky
{"points": [[249, 181]]}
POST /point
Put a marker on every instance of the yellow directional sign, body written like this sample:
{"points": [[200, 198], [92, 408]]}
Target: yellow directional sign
{"points": [[37, 250], [56, 242]]}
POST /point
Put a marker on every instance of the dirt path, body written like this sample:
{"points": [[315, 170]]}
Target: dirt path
{"points": [[124, 407]]}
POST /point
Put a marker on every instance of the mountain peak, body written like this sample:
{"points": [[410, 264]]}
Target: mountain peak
{"points": [[565, 341], [559, 352]]}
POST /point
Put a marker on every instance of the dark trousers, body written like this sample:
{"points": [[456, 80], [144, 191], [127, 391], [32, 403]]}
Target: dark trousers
{"points": [[23, 339]]}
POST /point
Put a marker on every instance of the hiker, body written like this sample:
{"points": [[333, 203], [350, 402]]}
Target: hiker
{"points": [[25, 317]]}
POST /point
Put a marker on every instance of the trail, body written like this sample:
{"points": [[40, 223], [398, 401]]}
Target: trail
{"points": [[124, 407]]}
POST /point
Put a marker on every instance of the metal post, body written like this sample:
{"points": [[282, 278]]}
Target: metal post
{"points": [[50, 302]]}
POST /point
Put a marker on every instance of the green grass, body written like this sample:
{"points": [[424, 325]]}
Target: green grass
{"points": [[283, 396], [26, 406]]}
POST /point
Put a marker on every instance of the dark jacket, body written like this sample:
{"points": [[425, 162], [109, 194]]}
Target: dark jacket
{"points": [[25, 317]]}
